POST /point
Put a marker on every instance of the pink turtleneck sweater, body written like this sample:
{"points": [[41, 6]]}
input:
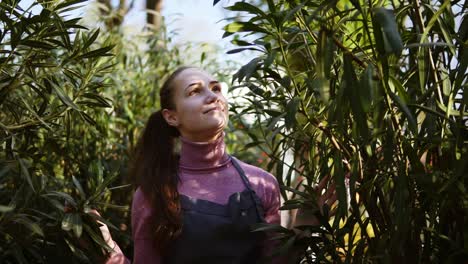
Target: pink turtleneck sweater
{"points": [[206, 172]]}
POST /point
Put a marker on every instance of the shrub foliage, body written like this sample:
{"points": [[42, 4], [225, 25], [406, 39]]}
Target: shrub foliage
{"points": [[373, 90], [72, 102]]}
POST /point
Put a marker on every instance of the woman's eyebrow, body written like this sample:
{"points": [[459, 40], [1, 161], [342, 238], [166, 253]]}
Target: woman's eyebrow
{"points": [[193, 84], [214, 82]]}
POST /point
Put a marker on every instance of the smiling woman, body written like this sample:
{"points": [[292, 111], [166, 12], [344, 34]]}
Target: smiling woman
{"points": [[200, 110], [196, 205]]}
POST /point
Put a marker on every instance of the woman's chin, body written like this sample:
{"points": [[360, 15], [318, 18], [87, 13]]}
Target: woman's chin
{"points": [[216, 130]]}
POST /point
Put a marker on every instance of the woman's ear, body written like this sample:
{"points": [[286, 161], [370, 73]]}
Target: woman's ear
{"points": [[171, 117]]}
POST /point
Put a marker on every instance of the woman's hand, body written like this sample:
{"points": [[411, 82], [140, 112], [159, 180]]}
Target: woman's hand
{"points": [[116, 256], [325, 197], [104, 230]]}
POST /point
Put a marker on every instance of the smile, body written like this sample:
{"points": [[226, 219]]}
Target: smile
{"points": [[213, 109]]}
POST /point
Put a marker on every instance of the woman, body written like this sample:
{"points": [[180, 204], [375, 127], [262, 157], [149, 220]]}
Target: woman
{"points": [[196, 205]]}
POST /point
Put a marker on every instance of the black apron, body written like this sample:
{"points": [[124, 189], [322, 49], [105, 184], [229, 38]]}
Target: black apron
{"points": [[216, 233]]}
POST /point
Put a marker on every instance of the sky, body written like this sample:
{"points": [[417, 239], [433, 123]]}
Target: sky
{"points": [[192, 21]]}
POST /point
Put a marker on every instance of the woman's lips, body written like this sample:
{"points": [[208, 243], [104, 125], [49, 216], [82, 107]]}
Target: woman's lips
{"points": [[217, 108]]}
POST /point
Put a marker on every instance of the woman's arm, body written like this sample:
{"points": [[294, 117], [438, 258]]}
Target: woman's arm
{"points": [[144, 251], [143, 244], [325, 196], [116, 256]]}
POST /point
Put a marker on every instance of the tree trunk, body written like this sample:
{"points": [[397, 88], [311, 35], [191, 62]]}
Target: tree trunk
{"points": [[153, 7]]}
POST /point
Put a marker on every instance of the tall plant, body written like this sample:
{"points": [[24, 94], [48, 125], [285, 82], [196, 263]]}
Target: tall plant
{"points": [[52, 72], [73, 102], [373, 90]]}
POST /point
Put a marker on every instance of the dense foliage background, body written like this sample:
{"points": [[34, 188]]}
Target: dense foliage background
{"points": [[68, 122], [369, 92], [373, 94]]}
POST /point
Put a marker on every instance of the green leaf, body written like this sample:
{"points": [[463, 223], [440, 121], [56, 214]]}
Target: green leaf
{"points": [[37, 44], [322, 85], [77, 252], [243, 6], [77, 224], [91, 39], [291, 110], [286, 247], [462, 66], [67, 222], [34, 227], [62, 195], [101, 52], [25, 173], [391, 37], [97, 237], [68, 3], [123, 208], [400, 90], [241, 43], [88, 119], [366, 90], [404, 108], [233, 51], [341, 190], [235, 27], [432, 22], [102, 186], [99, 218], [62, 95], [247, 70], [352, 93], [290, 13], [79, 187], [270, 227], [295, 191], [33, 112], [6, 208]]}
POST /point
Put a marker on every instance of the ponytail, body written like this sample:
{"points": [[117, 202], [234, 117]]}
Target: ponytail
{"points": [[154, 167]]}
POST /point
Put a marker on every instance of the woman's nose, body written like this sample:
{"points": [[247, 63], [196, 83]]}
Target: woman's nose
{"points": [[211, 96]]}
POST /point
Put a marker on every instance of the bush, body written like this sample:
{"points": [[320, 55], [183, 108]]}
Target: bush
{"points": [[373, 90], [70, 113]]}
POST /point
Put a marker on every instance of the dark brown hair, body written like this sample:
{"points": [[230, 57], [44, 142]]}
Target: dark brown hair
{"points": [[154, 168]]}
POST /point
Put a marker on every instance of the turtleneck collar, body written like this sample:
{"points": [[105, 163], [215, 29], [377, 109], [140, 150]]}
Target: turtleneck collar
{"points": [[203, 157]]}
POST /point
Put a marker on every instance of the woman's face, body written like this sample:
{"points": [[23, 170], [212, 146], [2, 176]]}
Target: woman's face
{"points": [[201, 111]]}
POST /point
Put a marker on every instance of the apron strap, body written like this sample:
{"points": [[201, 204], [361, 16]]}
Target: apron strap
{"points": [[253, 196]]}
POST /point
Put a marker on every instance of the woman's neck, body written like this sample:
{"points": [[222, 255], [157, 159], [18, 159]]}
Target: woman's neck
{"points": [[203, 156]]}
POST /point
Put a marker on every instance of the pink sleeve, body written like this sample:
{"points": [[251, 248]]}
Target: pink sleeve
{"points": [[271, 204], [143, 243], [117, 257]]}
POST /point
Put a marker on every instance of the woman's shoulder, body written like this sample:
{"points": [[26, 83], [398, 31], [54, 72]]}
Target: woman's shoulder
{"points": [[139, 195], [140, 202], [258, 176]]}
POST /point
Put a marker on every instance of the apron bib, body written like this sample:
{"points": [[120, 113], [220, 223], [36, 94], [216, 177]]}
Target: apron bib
{"points": [[216, 233]]}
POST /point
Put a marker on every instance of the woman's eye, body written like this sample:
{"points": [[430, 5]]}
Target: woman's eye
{"points": [[193, 92]]}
